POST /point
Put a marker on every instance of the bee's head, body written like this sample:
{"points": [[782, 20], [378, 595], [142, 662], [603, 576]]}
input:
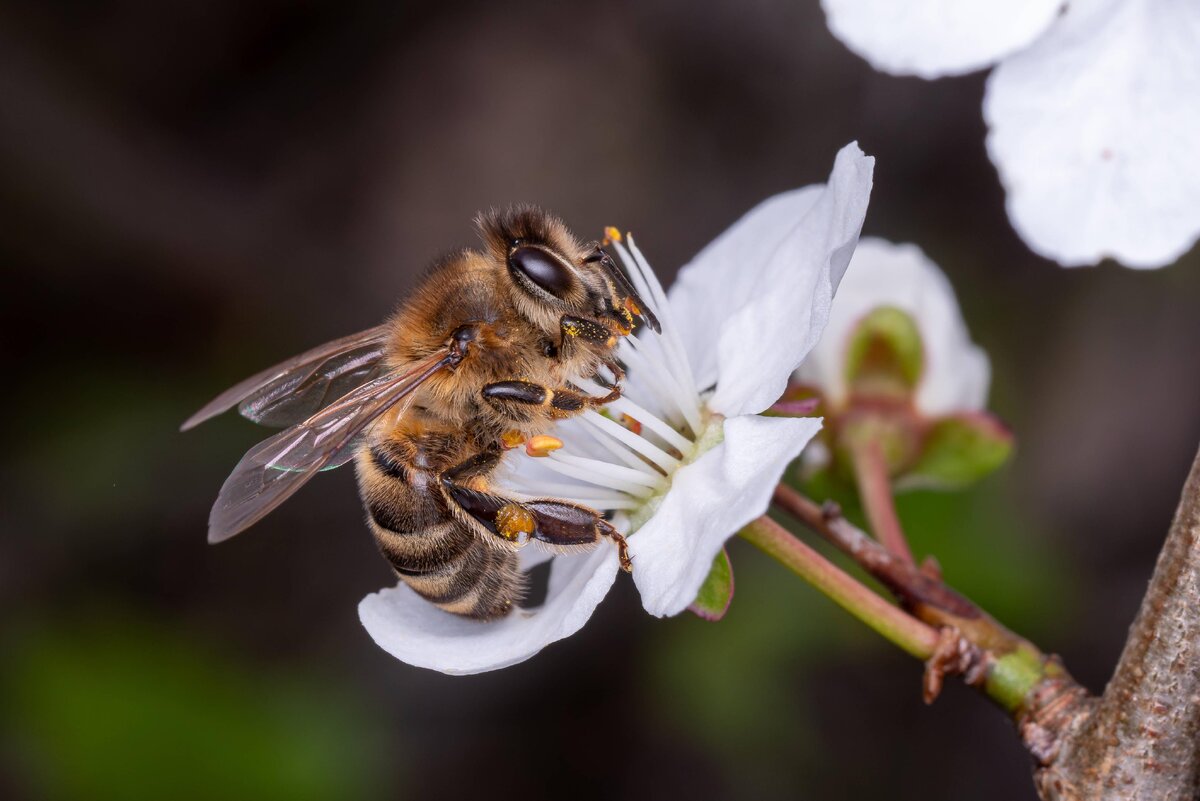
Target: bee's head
{"points": [[550, 275]]}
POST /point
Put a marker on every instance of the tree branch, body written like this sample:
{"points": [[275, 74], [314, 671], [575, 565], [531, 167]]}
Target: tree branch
{"points": [[1035, 689], [1141, 741]]}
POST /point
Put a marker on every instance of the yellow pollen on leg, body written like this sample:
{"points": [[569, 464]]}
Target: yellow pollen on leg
{"points": [[542, 445], [515, 523], [511, 439], [625, 325]]}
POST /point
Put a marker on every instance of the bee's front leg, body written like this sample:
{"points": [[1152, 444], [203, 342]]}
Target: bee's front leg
{"points": [[581, 328]]}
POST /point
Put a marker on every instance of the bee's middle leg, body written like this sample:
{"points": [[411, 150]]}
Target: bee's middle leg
{"points": [[561, 402], [554, 522]]}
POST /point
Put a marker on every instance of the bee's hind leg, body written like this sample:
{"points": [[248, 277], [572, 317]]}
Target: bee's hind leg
{"points": [[558, 523]]}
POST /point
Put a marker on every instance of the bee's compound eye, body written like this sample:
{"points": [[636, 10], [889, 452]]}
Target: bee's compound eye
{"points": [[542, 269]]}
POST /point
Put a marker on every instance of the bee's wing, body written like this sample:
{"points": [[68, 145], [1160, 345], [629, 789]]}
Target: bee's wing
{"points": [[295, 389], [274, 469]]}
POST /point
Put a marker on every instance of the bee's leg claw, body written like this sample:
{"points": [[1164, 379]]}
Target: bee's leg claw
{"points": [[607, 530], [613, 387]]}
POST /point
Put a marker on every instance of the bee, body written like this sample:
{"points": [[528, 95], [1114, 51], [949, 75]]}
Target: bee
{"points": [[484, 354]]}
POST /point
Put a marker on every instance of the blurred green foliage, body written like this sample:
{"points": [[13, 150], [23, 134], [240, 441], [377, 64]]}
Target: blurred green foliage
{"points": [[113, 709], [734, 686]]}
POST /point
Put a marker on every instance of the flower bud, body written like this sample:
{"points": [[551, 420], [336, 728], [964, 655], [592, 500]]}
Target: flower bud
{"points": [[896, 370]]}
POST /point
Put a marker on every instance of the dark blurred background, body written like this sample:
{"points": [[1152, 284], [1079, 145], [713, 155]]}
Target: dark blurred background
{"points": [[191, 191]]}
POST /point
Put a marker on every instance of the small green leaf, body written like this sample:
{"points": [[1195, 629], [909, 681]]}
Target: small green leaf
{"points": [[959, 450], [885, 355], [717, 590]]}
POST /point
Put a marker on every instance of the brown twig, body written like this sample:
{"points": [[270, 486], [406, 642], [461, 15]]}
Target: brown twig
{"points": [[1009, 669], [916, 589]]}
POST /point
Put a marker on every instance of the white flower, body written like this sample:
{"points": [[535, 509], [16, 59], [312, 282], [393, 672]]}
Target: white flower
{"points": [[1092, 111], [955, 372], [737, 322]]}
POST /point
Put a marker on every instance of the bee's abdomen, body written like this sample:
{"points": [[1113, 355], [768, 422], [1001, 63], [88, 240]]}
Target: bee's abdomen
{"points": [[449, 566], [439, 557]]}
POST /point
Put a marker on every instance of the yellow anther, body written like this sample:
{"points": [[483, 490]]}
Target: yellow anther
{"points": [[515, 523], [632, 424], [542, 445], [511, 439], [612, 234]]}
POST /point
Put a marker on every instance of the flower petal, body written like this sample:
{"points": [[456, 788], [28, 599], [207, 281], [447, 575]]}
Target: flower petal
{"points": [[708, 502], [1093, 131], [956, 371], [414, 631], [933, 38], [752, 303]]}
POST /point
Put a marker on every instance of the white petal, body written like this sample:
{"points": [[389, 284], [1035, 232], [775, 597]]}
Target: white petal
{"points": [[1093, 131], [932, 38], [708, 502], [752, 303], [956, 372], [415, 631]]}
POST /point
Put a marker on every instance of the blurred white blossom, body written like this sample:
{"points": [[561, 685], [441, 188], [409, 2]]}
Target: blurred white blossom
{"points": [[693, 459], [896, 368], [955, 372], [1092, 110]]}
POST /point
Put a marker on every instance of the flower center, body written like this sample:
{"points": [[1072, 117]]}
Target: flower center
{"points": [[711, 436]]}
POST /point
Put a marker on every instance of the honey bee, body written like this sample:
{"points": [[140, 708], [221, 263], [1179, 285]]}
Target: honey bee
{"points": [[482, 356]]}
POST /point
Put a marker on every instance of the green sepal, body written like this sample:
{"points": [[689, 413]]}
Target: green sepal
{"points": [[884, 356], [959, 450], [716, 593]]}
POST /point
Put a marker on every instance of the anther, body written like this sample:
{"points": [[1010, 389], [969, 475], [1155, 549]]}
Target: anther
{"points": [[542, 445], [630, 423]]}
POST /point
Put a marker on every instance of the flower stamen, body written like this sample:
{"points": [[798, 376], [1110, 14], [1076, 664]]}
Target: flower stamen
{"points": [[542, 445], [603, 474], [637, 443]]}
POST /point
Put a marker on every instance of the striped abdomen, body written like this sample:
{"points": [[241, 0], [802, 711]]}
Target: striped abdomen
{"points": [[443, 559]]}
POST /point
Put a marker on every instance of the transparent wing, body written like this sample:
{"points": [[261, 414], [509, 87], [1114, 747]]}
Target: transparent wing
{"points": [[275, 468], [297, 388]]}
